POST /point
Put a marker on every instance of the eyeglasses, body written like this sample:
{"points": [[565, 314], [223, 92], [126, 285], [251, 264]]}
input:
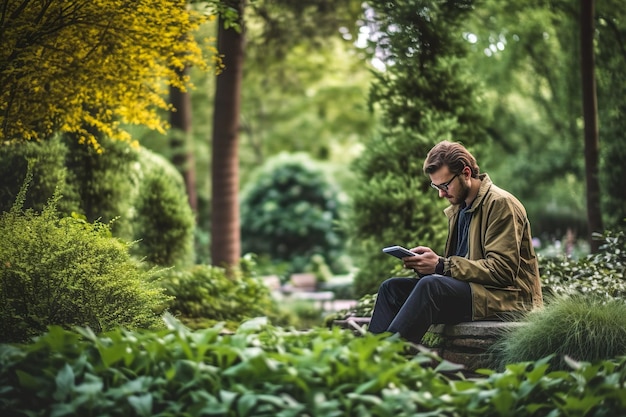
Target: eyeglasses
{"points": [[443, 187]]}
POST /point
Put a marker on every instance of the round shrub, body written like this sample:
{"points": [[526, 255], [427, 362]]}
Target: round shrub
{"points": [[289, 213], [163, 220], [68, 272], [585, 328]]}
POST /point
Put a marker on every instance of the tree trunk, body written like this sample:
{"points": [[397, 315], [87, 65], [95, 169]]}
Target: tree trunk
{"points": [[181, 141], [225, 234], [590, 116]]}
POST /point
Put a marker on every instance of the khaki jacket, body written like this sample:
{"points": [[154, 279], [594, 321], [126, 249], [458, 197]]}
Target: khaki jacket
{"points": [[501, 266]]}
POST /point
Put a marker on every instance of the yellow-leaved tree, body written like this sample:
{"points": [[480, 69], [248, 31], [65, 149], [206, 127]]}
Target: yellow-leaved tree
{"points": [[91, 66]]}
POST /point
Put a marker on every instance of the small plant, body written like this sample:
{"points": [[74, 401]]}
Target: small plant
{"points": [[582, 327]]}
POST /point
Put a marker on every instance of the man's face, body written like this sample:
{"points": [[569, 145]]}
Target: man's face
{"points": [[450, 186]]}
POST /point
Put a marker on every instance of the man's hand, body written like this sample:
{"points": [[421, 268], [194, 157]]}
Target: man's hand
{"points": [[424, 262]]}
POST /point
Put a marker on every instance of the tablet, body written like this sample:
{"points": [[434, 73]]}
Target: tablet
{"points": [[398, 251]]}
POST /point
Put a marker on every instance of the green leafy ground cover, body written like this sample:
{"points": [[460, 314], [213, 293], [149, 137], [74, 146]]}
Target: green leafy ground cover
{"points": [[266, 371]]}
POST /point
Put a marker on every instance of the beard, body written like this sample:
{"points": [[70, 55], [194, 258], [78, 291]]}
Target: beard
{"points": [[460, 196]]}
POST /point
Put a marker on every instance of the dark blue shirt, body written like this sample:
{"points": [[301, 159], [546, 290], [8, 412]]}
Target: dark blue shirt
{"points": [[462, 234]]}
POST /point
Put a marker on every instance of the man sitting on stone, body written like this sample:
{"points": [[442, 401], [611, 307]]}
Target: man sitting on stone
{"points": [[489, 268]]}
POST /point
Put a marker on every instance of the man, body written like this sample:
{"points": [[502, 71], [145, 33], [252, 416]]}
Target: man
{"points": [[489, 268]]}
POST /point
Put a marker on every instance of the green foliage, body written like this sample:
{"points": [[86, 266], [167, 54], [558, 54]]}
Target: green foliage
{"points": [[163, 219], [65, 271], [582, 327], [611, 107], [289, 213], [106, 182], [527, 55], [264, 371], [47, 168], [137, 193], [203, 295], [602, 274], [426, 78]]}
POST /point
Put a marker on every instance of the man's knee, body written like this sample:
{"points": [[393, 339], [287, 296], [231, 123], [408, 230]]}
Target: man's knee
{"points": [[428, 283], [387, 285]]}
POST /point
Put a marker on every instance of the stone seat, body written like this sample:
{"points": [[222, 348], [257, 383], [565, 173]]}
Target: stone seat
{"points": [[466, 343]]}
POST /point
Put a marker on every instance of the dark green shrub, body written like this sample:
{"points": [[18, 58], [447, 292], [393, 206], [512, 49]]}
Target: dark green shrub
{"points": [[68, 272], [289, 213], [47, 161], [203, 295], [107, 182], [583, 327], [163, 220]]}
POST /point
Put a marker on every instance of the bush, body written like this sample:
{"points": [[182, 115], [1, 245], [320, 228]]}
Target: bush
{"points": [[585, 328], [65, 271], [289, 213], [141, 191], [46, 161], [264, 371], [601, 274], [203, 295], [163, 220], [106, 182]]}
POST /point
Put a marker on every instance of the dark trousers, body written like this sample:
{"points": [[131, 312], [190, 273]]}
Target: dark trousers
{"points": [[409, 306]]}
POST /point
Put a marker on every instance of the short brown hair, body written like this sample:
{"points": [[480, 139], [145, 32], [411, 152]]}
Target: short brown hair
{"points": [[452, 154]]}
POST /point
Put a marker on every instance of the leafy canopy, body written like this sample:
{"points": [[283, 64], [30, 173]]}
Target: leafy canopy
{"points": [[87, 66]]}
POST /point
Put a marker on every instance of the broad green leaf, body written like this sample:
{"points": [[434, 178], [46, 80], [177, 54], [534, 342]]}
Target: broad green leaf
{"points": [[142, 404], [27, 380], [64, 383]]}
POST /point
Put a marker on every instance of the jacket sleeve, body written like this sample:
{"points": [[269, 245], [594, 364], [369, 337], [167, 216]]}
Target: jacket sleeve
{"points": [[500, 232]]}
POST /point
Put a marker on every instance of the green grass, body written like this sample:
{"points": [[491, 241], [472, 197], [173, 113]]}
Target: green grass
{"points": [[585, 328]]}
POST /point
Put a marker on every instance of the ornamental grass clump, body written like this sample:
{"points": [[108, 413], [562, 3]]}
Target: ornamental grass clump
{"points": [[68, 272], [584, 328]]}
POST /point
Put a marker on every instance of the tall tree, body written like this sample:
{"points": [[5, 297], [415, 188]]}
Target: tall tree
{"points": [[225, 238], [610, 59], [590, 114]]}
